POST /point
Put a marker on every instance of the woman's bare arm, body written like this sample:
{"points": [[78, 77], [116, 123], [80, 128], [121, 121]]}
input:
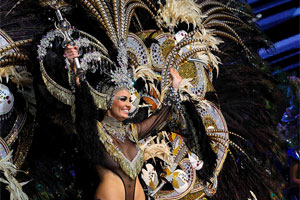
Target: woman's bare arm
{"points": [[159, 119]]}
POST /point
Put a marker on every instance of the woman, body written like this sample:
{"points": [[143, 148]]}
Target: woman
{"points": [[118, 159]]}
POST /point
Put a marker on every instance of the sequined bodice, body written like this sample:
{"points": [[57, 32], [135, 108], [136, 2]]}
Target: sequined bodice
{"points": [[123, 151]]}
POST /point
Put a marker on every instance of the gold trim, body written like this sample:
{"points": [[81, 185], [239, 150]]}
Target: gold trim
{"points": [[17, 127], [62, 94], [99, 98], [134, 133], [25, 141], [65, 95]]}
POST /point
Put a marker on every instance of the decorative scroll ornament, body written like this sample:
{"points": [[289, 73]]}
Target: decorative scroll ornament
{"points": [[6, 102], [150, 176], [180, 181], [211, 190]]}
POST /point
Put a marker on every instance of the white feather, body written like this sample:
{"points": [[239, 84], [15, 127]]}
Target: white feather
{"points": [[177, 11], [13, 186], [10, 73], [160, 149]]}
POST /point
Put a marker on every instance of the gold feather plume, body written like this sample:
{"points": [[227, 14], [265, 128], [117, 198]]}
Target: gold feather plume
{"points": [[147, 74], [19, 78], [176, 11], [12, 63], [159, 149], [207, 39]]}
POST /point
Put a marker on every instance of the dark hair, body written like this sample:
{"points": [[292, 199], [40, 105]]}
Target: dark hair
{"points": [[86, 125]]}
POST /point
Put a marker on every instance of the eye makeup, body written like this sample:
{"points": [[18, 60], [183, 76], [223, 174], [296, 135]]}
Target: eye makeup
{"points": [[122, 98]]}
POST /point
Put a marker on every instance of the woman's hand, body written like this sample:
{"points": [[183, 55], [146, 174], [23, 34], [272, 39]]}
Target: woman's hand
{"points": [[176, 78], [71, 52]]}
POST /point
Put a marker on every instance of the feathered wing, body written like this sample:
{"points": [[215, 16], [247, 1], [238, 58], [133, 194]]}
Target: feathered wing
{"points": [[224, 18], [244, 90], [18, 27], [25, 22]]}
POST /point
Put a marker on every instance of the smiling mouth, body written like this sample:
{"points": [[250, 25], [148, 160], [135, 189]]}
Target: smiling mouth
{"points": [[126, 111]]}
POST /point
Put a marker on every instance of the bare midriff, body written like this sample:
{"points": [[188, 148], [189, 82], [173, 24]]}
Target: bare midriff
{"points": [[112, 187]]}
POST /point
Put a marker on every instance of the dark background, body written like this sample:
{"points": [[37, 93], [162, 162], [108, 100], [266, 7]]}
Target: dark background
{"points": [[279, 20]]}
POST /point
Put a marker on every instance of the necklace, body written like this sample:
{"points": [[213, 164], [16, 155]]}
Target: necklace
{"points": [[114, 128]]}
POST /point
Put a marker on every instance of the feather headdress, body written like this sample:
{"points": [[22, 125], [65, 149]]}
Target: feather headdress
{"points": [[179, 11]]}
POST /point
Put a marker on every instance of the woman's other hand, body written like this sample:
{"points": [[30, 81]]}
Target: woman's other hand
{"points": [[176, 78]]}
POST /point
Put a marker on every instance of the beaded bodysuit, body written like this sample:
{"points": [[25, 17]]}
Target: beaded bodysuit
{"points": [[125, 159]]}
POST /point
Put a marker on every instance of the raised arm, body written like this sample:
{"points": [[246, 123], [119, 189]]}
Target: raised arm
{"points": [[71, 52], [158, 120]]}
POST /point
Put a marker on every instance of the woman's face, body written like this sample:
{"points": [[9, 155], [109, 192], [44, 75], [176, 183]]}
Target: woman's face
{"points": [[121, 105]]}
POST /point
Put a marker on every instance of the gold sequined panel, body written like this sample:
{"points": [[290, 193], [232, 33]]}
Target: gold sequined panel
{"points": [[188, 70], [133, 58], [99, 98], [145, 34], [25, 140], [210, 87], [166, 47], [194, 196]]}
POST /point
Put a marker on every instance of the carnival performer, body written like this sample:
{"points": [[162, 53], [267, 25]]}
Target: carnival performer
{"points": [[117, 158], [146, 55]]}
